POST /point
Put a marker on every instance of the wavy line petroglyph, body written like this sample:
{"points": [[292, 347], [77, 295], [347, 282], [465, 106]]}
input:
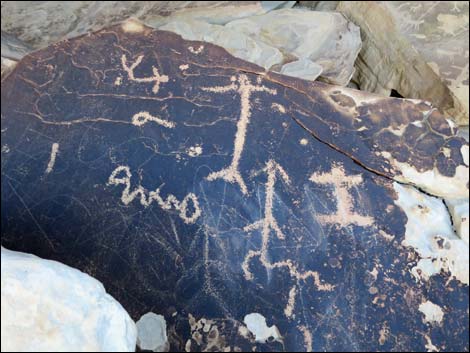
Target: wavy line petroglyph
{"points": [[245, 88], [341, 182], [52, 158], [143, 118], [171, 202], [157, 78], [268, 224]]}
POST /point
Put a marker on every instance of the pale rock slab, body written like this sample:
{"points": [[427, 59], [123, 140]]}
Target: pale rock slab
{"points": [[418, 49], [256, 324], [459, 211], [433, 313], [48, 306], [298, 43], [45, 22], [151, 333], [327, 39], [302, 68], [236, 43], [429, 232]]}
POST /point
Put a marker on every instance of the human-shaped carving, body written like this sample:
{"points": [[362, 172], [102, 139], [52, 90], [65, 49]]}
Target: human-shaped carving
{"points": [[245, 88], [268, 224], [342, 183]]}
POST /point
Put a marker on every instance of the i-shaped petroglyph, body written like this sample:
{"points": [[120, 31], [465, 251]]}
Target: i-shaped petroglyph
{"points": [[122, 176], [143, 118], [245, 88], [157, 78], [52, 158], [268, 224], [344, 215]]}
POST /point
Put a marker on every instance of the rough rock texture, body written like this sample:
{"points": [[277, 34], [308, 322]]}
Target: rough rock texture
{"points": [[40, 23], [418, 49], [201, 187], [439, 31], [47, 306], [311, 43], [12, 50]]}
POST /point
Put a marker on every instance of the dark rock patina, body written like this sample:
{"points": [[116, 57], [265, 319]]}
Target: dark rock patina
{"points": [[196, 185]]}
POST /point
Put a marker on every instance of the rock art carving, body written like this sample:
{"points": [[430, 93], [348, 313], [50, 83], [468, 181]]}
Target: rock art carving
{"points": [[157, 78], [342, 183], [245, 88], [143, 118], [54, 151], [129, 233], [269, 224], [171, 202]]}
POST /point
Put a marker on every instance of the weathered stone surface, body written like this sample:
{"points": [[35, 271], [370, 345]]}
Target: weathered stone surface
{"points": [[419, 50], [50, 307], [201, 187], [321, 44], [12, 51], [439, 31], [40, 23]]}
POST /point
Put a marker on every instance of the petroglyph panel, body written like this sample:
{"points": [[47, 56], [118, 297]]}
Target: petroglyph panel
{"points": [[203, 188]]}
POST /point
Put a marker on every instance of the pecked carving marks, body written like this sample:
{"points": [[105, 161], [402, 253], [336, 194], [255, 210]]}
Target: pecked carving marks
{"points": [[269, 224], [143, 118], [122, 176], [153, 260], [342, 183], [157, 78], [52, 158], [245, 89]]}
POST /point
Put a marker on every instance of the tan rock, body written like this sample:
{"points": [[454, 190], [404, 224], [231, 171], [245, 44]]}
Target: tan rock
{"points": [[419, 50]]}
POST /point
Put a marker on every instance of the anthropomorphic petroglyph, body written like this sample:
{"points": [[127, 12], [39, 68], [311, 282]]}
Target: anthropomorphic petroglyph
{"points": [[342, 183], [245, 88], [157, 78], [143, 118], [122, 176], [269, 224]]}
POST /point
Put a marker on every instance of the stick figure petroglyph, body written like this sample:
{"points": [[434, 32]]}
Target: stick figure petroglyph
{"points": [[157, 78], [344, 215], [268, 224], [245, 88], [122, 176]]}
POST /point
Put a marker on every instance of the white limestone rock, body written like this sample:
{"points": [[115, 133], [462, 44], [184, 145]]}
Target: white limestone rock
{"points": [[429, 232], [432, 313], [40, 23], [459, 210], [151, 333], [301, 43], [302, 68], [48, 306], [236, 43], [327, 39], [256, 324]]}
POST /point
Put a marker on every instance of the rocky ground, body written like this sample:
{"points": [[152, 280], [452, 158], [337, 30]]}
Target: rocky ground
{"points": [[270, 176]]}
